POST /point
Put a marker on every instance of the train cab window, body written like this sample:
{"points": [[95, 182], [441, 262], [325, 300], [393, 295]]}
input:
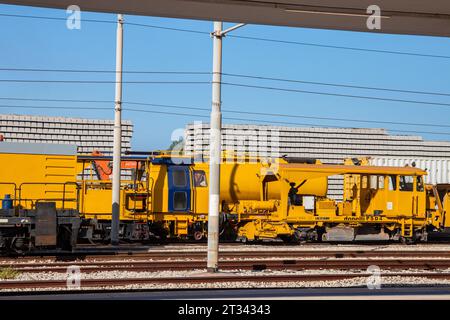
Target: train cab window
{"points": [[419, 183], [373, 182], [392, 183], [376, 182], [364, 182], [179, 200], [380, 182], [406, 183], [199, 178], [179, 178]]}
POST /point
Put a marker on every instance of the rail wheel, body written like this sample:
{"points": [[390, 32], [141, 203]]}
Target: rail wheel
{"points": [[321, 235], [64, 238], [242, 239], [296, 237], [198, 235], [406, 240], [18, 245]]}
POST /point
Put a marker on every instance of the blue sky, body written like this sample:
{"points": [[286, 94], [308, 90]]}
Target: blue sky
{"points": [[36, 43]]}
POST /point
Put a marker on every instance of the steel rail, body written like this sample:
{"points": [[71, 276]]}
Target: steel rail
{"points": [[171, 254], [208, 279], [254, 265]]}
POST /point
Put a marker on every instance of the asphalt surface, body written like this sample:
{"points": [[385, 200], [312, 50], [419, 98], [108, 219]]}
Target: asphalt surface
{"points": [[386, 293]]}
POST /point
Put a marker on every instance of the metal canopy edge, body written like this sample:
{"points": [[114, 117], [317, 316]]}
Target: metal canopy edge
{"points": [[415, 17]]}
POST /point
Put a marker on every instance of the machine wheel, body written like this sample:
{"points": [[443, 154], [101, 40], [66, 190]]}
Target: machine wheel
{"points": [[321, 235], [406, 240], [64, 239], [242, 239], [286, 239], [198, 235], [296, 237], [421, 236], [17, 245]]}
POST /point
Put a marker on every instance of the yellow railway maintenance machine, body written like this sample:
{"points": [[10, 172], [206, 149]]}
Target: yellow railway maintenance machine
{"points": [[52, 197], [40, 196]]}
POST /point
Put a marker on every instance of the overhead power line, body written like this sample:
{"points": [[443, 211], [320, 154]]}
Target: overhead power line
{"points": [[247, 76], [289, 42], [277, 122], [167, 28], [103, 71], [55, 100], [232, 84], [334, 84], [53, 18], [236, 110], [319, 45], [207, 116], [53, 107], [103, 81], [338, 119], [335, 94]]}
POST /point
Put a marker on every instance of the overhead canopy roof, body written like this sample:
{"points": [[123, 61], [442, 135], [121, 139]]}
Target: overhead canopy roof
{"points": [[417, 17]]}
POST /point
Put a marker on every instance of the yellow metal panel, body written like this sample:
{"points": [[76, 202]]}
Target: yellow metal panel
{"points": [[345, 208], [446, 206], [200, 194], [39, 177], [158, 185]]}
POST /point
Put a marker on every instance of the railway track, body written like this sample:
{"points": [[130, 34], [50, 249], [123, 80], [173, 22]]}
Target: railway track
{"points": [[297, 265], [253, 265], [178, 254], [204, 279]]}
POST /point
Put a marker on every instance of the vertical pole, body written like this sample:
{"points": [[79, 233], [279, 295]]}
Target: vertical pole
{"points": [[215, 152], [117, 136]]}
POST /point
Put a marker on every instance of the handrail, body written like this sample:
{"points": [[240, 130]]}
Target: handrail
{"points": [[63, 199]]}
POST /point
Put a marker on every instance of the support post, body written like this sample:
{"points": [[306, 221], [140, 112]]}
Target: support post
{"points": [[215, 152], [115, 220]]}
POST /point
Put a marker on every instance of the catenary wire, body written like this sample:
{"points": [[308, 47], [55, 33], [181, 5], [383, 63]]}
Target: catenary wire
{"points": [[334, 94], [103, 71], [276, 122], [206, 116], [333, 84], [102, 81], [232, 84], [226, 110], [238, 111], [318, 45], [248, 76]]}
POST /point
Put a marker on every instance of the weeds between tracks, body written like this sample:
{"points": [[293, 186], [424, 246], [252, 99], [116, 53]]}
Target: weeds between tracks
{"points": [[8, 273]]}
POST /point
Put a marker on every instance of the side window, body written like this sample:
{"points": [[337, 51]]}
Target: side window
{"points": [[406, 183], [380, 182], [200, 178], [373, 182], [179, 200], [392, 183], [376, 182], [419, 183], [179, 178], [364, 183]]}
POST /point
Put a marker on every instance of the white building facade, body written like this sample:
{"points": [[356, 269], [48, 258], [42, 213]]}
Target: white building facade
{"points": [[87, 134]]}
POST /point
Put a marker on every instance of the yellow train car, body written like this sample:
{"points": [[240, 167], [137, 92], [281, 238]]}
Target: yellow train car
{"points": [[283, 199], [38, 183], [39, 172], [167, 196]]}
